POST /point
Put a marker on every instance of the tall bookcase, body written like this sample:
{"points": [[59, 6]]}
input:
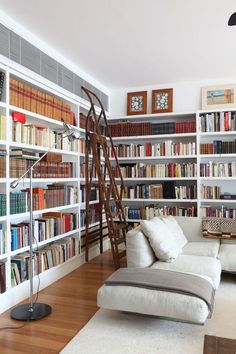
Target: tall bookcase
{"points": [[68, 252], [133, 150]]}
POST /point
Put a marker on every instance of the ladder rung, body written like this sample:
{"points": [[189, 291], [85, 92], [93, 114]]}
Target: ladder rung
{"points": [[120, 240], [122, 254], [120, 226]]}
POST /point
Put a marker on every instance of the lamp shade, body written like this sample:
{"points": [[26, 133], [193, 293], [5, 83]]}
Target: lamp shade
{"points": [[232, 20]]}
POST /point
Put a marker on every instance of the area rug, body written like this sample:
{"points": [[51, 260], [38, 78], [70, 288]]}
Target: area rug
{"points": [[121, 333]]}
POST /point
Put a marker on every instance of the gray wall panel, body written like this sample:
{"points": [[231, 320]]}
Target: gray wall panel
{"points": [[4, 41], [30, 56], [48, 68], [15, 43]]}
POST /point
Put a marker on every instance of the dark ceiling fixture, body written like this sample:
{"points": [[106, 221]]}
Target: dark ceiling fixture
{"points": [[232, 20]]}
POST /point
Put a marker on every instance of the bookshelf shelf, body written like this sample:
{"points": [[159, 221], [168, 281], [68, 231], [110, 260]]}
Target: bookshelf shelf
{"points": [[218, 178], [45, 242], [154, 137], [3, 256], [146, 117], [221, 201], [140, 179], [41, 148], [160, 200], [215, 134], [147, 158], [3, 104], [3, 180], [40, 118], [45, 180], [41, 211], [92, 202], [216, 156]]}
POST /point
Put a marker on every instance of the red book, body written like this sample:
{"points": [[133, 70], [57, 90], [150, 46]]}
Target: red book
{"points": [[226, 125]]}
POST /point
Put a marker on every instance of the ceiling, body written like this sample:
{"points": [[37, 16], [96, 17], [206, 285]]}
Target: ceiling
{"points": [[125, 43]]}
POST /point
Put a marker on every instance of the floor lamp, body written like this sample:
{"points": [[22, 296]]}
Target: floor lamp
{"points": [[35, 311]]}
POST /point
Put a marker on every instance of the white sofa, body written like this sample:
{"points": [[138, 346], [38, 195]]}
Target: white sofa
{"points": [[200, 256]]}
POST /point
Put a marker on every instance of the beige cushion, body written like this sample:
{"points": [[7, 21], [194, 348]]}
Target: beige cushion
{"points": [[173, 225], [153, 302], [227, 257], [204, 266], [162, 240], [138, 249], [208, 249]]}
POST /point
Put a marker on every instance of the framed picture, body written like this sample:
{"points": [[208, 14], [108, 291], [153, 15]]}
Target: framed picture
{"points": [[162, 100], [136, 103], [222, 96]]}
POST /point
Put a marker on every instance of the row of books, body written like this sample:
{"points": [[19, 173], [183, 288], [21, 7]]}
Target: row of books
{"points": [[3, 163], [218, 169], [43, 169], [218, 121], [2, 239], [2, 277], [2, 127], [186, 192], [210, 192], [126, 128], [3, 204], [43, 259], [151, 191], [94, 193], [223, 212], [46, 227], [150, 211], [168, 148], [2, 79], [218, 147], [41, 136], [95, 212], [55, 195], [24, 96], [158, 170]]}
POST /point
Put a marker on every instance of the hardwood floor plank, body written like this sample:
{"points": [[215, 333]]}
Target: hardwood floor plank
{"points": [[73, 300]]}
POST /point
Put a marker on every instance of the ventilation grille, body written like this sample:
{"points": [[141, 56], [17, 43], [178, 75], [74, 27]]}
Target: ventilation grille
{"points": [[22, 52]]}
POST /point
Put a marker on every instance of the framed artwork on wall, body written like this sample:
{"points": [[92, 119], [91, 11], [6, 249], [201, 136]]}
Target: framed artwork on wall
{"points": [[162, 100], [220, 96], [136, 103]]}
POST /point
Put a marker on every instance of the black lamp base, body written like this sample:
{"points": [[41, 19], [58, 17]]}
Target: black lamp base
{"points": [[24, 313]]}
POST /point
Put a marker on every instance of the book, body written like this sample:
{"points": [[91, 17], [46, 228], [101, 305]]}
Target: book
{"points": [[2, 78]]}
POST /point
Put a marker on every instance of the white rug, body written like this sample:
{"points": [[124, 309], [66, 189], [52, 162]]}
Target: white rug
{"points": [[112, 332]]}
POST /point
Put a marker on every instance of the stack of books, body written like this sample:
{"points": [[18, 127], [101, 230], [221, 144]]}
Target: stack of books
{"points": [[219, 147], [218, 121], [210, 192]]}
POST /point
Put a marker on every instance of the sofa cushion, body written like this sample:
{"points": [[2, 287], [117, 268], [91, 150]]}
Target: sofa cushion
{"points": [[162, 240], [138, 249], [208, 249], [227, 257], [173, 225], [208, 267]]}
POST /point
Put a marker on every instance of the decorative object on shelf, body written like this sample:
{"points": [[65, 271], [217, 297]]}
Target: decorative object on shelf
{"points": [[232, 20], [221, 96], [136, 103], [18, 117], [162, 100], [33, 310]]}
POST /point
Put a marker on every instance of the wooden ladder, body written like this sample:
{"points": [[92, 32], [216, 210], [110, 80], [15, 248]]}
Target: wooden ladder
{"points": [[97, 162]]}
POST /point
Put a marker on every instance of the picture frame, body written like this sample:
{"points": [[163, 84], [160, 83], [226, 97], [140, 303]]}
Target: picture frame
{"points": [[219, 96], [136, 103], [162, 100]]}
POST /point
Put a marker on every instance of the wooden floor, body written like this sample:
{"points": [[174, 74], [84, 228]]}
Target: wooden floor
{"points": [[73, 301]]}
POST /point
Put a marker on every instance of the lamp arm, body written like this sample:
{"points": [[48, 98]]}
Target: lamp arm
{"points": [[15, 183]]}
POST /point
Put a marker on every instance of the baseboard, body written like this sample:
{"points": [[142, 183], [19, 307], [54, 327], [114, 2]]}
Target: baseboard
{"points": [[21, 292]]}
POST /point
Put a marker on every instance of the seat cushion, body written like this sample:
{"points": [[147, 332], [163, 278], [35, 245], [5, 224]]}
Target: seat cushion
{"points": [[153, 302], [207, 267], [227, 257], [207, 249], [138, 250], [162, 240]]}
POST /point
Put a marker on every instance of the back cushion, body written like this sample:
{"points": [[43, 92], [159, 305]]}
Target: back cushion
{"points": [[173, 225], [138, 249], [162, 239]]}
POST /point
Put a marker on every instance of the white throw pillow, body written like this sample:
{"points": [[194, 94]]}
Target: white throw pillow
{"points": [[165, 245], [172, 223]]}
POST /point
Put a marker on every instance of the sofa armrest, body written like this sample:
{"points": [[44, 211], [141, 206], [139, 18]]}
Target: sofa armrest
{"points": [[138, 249]]}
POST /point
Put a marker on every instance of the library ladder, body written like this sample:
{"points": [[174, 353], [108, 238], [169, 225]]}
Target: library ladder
{"points": [[97, 163]]}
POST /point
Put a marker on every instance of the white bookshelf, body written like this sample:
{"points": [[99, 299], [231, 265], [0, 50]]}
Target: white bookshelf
{"points": [[227, 183], [14, 294]]}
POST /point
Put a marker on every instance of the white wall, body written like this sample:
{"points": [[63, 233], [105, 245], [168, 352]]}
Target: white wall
{"points": [[186, 95]]}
